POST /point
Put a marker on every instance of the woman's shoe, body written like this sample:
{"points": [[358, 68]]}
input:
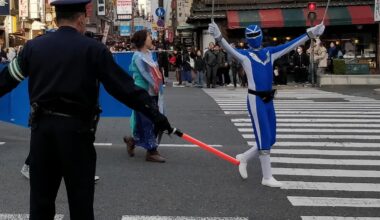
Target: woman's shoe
{"points": [[130, 142], [154, 156]]}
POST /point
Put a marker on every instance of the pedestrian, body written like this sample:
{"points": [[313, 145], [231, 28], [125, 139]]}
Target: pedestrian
{"points": [[234, 67], [163, 62], [187, 67], [147, 76], [178, 66], [301, 63], [63, 92], [320, 58], [200, 68], [258, 65], [212, 65]]}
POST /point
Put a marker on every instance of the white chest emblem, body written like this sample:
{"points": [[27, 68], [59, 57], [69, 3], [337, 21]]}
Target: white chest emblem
{"points": [[257, 59]]}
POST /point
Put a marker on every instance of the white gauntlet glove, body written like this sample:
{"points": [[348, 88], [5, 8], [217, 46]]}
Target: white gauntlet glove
{"points": [[316, 31], [214, 31]]}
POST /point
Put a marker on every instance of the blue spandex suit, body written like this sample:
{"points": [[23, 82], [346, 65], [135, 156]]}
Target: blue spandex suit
{"points": [[258, 65]]}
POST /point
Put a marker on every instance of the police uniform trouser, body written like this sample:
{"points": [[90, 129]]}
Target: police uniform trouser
{"points": [[61, 147]]}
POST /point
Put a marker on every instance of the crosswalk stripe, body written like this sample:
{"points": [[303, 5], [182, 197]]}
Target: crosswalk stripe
{"points": [[326, 172], [334, 202], [323, 144], [325, 152], [143, 217], [317, 130], [292, 107], [2, 143], [102, 144], [319, 161], [22, 217], [337, 218], [339, 137], [318, 125], [352, 187]]}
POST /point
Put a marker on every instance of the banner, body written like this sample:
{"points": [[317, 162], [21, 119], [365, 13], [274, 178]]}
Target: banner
{"points": [[23, 8], [125, 30], [377, 10], [124, 7], [4, 7]]}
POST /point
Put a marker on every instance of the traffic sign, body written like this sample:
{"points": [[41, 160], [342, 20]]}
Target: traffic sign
{"points": [[160, 12], [160, 23]]}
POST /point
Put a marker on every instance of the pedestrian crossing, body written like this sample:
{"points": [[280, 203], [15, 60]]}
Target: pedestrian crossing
{"points": [[326, 142], [128, 217]]}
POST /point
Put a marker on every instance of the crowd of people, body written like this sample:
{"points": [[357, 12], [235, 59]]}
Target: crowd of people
{"points": [[8, 54], [298, 63]]}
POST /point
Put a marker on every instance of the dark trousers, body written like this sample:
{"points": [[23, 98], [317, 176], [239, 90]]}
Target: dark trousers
{"points": [[234, 76], [61, 147], [211, 75], [301, 75]]}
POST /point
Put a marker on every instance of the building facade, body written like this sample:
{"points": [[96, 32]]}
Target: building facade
{"points": [[350, 24]]}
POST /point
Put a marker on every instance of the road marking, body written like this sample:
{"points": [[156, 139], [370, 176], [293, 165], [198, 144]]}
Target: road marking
{"points": [[338, 162], [318, 130], [326, 152], [342, 137], [102, 144], [334, 202], [291, 107], [352, 187], [326, 172], [322, 144], [187, 145], [144, 217], [317, 125], [22, 217], [2, 143], [281, 115], [337, 218]]}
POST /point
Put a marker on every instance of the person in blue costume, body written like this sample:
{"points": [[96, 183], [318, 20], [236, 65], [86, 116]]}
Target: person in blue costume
{"points": [[257, 62], [146, 75]]}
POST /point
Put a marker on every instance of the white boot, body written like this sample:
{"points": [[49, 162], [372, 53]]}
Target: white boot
{"points": [[244, 158], [242, 166], [272, 182], [266, 168]]}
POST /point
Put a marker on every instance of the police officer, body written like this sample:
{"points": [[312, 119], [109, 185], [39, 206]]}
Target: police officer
{"points": [[64, 69]]}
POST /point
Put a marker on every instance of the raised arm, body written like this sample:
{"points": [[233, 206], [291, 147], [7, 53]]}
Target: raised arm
{"points": [[283, 49], [215, 32]]}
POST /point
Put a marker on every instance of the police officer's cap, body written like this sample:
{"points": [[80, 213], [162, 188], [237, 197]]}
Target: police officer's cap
{"points": [[70, 5]]}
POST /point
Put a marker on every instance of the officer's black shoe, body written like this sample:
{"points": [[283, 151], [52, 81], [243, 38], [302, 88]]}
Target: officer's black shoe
{"points": [[130, 142]]}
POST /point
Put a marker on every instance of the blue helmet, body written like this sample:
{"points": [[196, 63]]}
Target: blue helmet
{"points": [[254, 36]]}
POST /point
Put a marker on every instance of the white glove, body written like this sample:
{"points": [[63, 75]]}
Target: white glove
{"points": [[214, 31], [316, 31]]}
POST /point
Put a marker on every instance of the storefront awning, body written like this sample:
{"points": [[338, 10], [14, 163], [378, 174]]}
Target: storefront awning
{"points": [[297, 17]]}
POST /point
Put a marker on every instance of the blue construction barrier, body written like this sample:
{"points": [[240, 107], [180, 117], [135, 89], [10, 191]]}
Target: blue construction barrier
{"points": [[15, 106]]}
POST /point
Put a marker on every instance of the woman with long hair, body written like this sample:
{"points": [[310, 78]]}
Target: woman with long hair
{"points": [[147, 75]]}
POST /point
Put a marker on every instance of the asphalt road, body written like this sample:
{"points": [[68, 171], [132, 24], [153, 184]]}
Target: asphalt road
{"points": [[192, 183]]}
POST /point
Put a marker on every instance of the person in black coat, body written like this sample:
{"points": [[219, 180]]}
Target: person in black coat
{"points": [[301, 63]]}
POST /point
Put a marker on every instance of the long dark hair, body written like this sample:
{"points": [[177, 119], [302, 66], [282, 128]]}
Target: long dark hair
{"points": [[139, 38]]}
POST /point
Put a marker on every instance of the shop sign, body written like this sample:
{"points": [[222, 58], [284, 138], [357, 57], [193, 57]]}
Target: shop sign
{"points": [[23, 8], [125, 30], [377, 10], [124, 7], [34, 9], [4, 7]]}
